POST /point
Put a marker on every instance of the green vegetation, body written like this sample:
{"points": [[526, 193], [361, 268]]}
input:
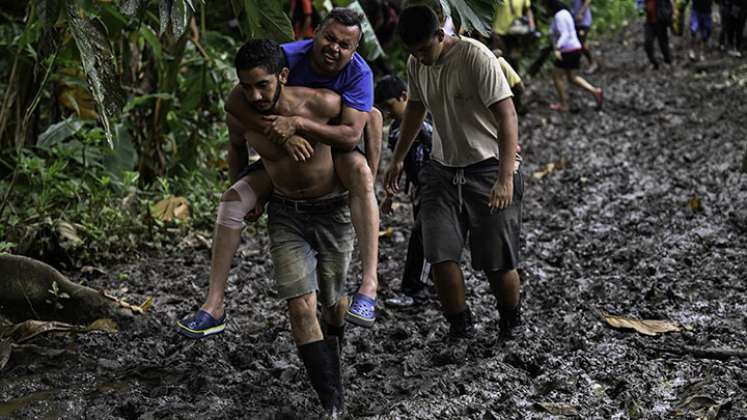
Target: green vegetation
{"points": [[109, 106]]}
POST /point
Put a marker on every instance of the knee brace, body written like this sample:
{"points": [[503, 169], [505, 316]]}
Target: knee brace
{"points": [[231, 213]]}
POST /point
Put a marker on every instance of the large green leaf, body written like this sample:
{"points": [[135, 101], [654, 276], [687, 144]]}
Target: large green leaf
{"points": [[474, 14], [123, 156], [133, 8], [180, 15], [57, 133], [267, 19], [98, 63]]}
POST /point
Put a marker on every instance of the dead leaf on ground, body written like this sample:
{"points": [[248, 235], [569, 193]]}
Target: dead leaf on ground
{"points": [[695, 204], [29, 329], [68, 234], [644, 326], [557, 409], [387, 233], [702, 406], [104, 324], [137, 309], [5, 350], [170, 208], [550, 168]]}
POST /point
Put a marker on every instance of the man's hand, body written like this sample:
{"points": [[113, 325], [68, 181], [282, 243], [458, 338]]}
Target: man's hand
{"points": [[558, 54], [256, 212], [391, 179], [298, 148], [280, 128], [502, 193]]}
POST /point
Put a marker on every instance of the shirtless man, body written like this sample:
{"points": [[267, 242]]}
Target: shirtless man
{"points": [[327, 61], [308, 214]]}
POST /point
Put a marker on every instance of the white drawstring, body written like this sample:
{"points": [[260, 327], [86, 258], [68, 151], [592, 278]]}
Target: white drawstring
{"points": [[459, 180]]}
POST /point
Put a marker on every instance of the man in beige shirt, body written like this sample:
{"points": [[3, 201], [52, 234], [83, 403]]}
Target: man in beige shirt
{"points": [[472, 184]]}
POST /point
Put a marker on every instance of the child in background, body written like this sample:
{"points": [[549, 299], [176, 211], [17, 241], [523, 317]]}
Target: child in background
{"points": [[701, 25], [514, 81], [391, 97]]}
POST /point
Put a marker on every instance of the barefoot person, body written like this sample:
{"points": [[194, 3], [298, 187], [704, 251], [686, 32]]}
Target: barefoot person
{"points": [[327, 61], [471, 186], [568, 50], [308, 215]]}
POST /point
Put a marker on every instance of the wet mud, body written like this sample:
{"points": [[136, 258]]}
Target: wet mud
{"points": [[644, 214]]}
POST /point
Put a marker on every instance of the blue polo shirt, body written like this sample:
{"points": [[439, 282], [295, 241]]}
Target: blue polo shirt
{"points": [[354, 83]]}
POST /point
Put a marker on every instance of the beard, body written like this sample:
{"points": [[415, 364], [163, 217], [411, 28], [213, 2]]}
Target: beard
{"points": [[275, 97]]}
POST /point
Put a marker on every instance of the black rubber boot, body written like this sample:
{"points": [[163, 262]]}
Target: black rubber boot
{"points": [[510, 321], [335, 348], [322, 362], [330, 330], [461, 324]]}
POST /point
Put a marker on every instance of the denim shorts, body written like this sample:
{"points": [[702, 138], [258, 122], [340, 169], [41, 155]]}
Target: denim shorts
{"points": [[311, 243], [454, 205]]}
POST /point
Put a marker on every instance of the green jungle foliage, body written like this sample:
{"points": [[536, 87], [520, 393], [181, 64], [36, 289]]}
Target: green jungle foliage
{"points": [[109, 106]]}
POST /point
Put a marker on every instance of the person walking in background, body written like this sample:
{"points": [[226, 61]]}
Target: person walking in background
{"points": [[513, 21], [658, 19], [391, 97], [304, 19], [581, 10], [472, 186], [568, 52], [733, 14], [701, 25]]}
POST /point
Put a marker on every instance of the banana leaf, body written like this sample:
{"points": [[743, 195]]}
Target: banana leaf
{"points": [[264, 19], [98, 63]]}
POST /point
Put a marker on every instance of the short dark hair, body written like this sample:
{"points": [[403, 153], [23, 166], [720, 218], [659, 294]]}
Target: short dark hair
{"points": [[417, 24], [389, 87], [345, 16], [263, 53], [554, 6]]}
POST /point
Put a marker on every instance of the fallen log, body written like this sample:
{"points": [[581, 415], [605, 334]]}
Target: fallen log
{"points": [[31, 289]]}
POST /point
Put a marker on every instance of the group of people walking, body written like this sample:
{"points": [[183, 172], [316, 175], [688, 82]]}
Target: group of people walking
{"points": [[310, 110]]}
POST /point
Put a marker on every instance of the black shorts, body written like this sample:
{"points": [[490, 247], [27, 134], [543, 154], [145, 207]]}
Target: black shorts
{"points": [[569, 60], [454, 206]]}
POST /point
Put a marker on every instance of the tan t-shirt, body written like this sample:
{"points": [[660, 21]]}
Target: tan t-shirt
{"points": [[457, 91]]}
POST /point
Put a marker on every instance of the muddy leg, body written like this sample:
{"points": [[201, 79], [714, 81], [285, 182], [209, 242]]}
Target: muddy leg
{"points": [[226, 240], [577, 80], [449, 282], [355, 175]]}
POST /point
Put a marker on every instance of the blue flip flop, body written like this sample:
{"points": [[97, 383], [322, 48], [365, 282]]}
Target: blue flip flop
{"points": [[201, 325], [362, 311]]}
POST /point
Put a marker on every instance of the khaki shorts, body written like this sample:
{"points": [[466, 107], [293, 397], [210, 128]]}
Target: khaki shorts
{"points": [[311, 243]]}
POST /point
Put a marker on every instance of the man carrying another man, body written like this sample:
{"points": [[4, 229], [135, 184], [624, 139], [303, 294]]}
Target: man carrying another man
{"points": [[327, 61], [308, 215]]}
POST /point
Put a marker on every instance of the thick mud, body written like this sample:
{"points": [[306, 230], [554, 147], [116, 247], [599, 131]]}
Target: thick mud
{"points": [[645, 215]]}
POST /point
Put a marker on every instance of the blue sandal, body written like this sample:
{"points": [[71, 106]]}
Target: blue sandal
{"points": [[201, 325], [362, 311]]}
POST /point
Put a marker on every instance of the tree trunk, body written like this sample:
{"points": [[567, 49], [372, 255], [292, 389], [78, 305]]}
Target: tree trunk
{"points": [[27, 292]]}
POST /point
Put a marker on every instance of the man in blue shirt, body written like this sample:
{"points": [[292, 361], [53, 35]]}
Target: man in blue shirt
{"points": [[328, 61]]}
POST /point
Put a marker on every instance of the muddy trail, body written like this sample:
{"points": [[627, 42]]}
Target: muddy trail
{"points": [[643, 214]]}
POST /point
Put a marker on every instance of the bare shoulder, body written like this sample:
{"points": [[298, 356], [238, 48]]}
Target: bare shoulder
{"points": [[236, 103]]}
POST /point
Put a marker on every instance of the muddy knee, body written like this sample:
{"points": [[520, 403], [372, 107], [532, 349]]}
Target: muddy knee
{"points": [[234, 204]]}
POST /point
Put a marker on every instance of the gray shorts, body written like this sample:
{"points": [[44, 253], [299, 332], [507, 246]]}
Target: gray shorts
{"points": [[311, 243], [447, 218]]}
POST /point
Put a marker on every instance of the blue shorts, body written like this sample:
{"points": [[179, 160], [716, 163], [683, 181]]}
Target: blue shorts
{"points": [[701, 24]]}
